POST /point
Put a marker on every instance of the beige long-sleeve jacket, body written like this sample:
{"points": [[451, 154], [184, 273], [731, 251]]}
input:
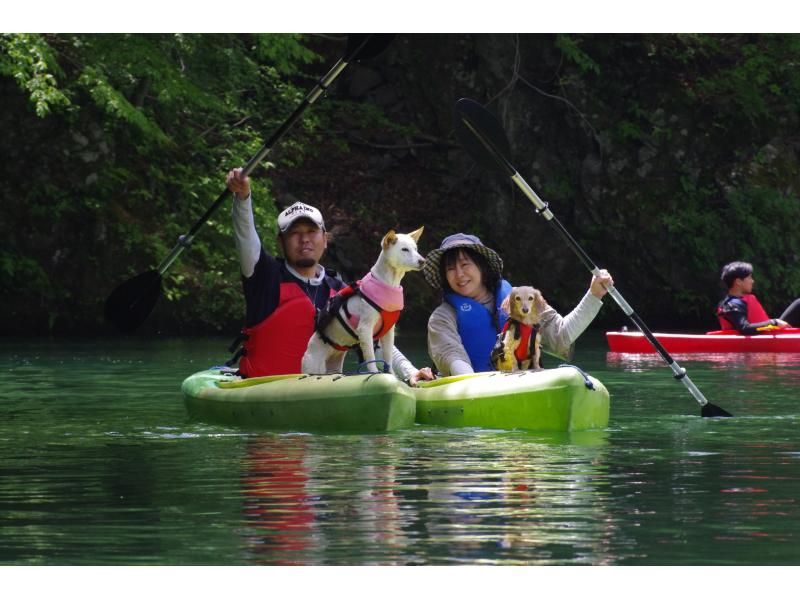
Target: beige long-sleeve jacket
{"points": [[558, 333]]}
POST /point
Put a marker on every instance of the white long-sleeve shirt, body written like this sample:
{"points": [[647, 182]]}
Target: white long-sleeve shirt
{"points": [[248, 246], [248, 243], [558, 333]]}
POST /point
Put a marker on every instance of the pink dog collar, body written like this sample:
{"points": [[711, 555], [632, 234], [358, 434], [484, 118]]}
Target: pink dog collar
{"points": [[389, 298]]}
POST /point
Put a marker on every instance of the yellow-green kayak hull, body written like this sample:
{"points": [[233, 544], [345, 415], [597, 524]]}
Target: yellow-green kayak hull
{"points": [[560, 399], [331, 403]]}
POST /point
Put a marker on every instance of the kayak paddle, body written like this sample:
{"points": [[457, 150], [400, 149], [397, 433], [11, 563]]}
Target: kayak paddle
{"points": [[483, 137], [130, 303]]}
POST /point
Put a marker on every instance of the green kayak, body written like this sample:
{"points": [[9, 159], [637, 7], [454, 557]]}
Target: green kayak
{"points": [[561, 399], [335, 403]]}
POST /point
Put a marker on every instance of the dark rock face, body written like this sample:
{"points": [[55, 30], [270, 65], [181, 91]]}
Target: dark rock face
{"points": [[625, 136]]}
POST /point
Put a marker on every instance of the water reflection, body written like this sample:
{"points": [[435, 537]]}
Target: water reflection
{"points": [[475, 497], [100, 465], [300, 502], [276, 502], [752, 366]]}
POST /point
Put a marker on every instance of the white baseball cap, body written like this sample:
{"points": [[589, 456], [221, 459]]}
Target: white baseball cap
{"points": [[296, 211]]}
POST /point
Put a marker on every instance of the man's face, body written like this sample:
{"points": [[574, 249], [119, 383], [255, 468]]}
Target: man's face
{"points": [[303, 244], [747, 284]]}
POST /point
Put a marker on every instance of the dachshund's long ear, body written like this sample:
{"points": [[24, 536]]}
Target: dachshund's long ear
{"points": [[539, 300], [506, 304]]}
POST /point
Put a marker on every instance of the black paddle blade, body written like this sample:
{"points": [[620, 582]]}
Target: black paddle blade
{"points": [[361, 46], [482, 136], [709, 410], [131, 302]]}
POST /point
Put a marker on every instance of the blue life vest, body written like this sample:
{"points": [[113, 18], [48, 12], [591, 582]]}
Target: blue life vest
{"points": [[477, 326]]}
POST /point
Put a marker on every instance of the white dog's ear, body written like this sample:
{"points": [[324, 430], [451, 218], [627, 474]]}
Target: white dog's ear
{"points": [[417, 234], [389, 239]]}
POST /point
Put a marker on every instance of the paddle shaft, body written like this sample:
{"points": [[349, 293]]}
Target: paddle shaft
{"points": [[543, 210], [186, 240]]}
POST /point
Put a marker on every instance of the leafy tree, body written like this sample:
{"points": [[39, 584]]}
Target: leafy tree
{"points": [[117, 144]]}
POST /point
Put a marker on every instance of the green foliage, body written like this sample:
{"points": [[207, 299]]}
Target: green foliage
{"points": [[558, 189], [570, 46], [744, 83], [688, 219], [765, 220], [147, 127], [629, 130], [21, 274], [283, 51], [667, 154], [697, 138], [31, 62], [755, 76], [115, 104]]}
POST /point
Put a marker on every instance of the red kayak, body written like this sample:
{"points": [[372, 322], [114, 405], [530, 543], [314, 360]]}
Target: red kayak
{"points": [[784, 340]]}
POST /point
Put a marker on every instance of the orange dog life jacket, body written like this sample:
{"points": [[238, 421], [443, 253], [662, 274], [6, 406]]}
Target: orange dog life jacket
{"points": [[527, 340], [371, 290]]}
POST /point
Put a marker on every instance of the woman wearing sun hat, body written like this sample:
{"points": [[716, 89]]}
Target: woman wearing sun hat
{"points": [[463, 329]]}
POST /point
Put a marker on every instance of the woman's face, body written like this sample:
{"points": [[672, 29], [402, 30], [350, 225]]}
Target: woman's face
{"points": [[464, 277]]}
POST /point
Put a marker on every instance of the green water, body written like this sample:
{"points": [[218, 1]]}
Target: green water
{"points": [[99, 465]]}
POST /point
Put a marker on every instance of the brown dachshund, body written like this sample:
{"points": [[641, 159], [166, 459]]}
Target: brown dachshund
{"points": [[517, 346]]}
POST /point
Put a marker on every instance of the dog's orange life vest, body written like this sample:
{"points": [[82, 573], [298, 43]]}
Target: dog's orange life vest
{"points": [[337, 308], [755, 311], [527, 339], [276, 344]]}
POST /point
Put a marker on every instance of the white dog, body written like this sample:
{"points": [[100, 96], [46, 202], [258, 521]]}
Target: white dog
{"points": [[365, 311]]}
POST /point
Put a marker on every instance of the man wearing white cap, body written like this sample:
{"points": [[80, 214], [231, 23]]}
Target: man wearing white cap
{"points": [[283, 296]]}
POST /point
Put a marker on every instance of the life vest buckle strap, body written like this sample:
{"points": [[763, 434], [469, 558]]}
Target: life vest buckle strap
{"points": [[343, 320], [326, 339], [240, 338], [235, 357], [337, 308]]}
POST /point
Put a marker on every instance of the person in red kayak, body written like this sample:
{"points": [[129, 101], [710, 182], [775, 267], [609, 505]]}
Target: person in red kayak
{"points": [[741, 310]]}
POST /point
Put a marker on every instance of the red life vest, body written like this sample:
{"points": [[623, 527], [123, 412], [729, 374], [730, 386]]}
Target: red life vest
{"points": [[350, 322], [755, 312], [527, 338], [276, 344]]}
